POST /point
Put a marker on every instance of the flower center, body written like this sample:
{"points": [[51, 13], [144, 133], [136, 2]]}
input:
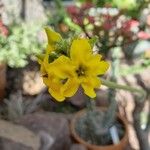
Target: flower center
{"points": [[63, 81], [80, 71], [45, 75]]}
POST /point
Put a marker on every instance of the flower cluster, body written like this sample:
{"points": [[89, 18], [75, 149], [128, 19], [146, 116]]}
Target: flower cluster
{"points": [[80, 14], [68, 64]]}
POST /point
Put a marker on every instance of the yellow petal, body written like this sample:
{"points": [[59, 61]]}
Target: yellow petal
{"points": [[45, 60], [58, 96], [95, 66], [61, 67], [43, 70], [40, 58], [42, 67], [49, 49], [89, 85], [59, 70], [88, 91], [70, 88], [54, 87], [102, 67], [52, 36], [80, 50], [45, 81]]}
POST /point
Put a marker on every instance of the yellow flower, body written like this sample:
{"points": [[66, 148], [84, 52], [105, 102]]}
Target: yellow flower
{"points": [[61, 80], [63, 75], [43, 60], [87, 66], [53, 37]]}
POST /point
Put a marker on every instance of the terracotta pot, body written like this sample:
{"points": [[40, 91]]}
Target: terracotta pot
{"points": [[2, 80], [120, 146]]}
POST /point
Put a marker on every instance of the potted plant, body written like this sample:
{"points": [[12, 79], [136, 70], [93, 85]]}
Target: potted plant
{"points": [[68, 64], [17, 44]]}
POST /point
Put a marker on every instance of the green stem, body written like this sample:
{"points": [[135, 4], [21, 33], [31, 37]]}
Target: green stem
{"points": [[58, 4], [110, 116], [113, 85]]}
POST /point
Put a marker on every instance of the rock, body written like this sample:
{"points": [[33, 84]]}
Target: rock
{"points": [[82, 147], [49, 104], [6, 144], [78, 147], [17, 137], [52, 128], [102, 97], [144, 77], [39, 14], [129, 148], [79, 99], [32, 80], [135, 49], [23, 8]]}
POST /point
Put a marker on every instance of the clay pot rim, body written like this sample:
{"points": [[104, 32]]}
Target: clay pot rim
{"points": [[92, 146], [3, 81], [2, 65]]}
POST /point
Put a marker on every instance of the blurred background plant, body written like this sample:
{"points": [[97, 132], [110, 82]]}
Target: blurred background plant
{"points": [[110, 24], [62, 22], [18, 43]]}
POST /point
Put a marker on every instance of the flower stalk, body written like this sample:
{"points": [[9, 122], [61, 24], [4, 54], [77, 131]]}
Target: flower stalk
{"points": [[111, 112], [113, 85]]}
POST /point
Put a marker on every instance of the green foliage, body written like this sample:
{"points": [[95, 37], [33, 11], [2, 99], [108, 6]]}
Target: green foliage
{"points": [[65, 108], [15, 107], [101, 3], [131, 7], [19, 45], [126, 4], [93, 40], [61, 17]]}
